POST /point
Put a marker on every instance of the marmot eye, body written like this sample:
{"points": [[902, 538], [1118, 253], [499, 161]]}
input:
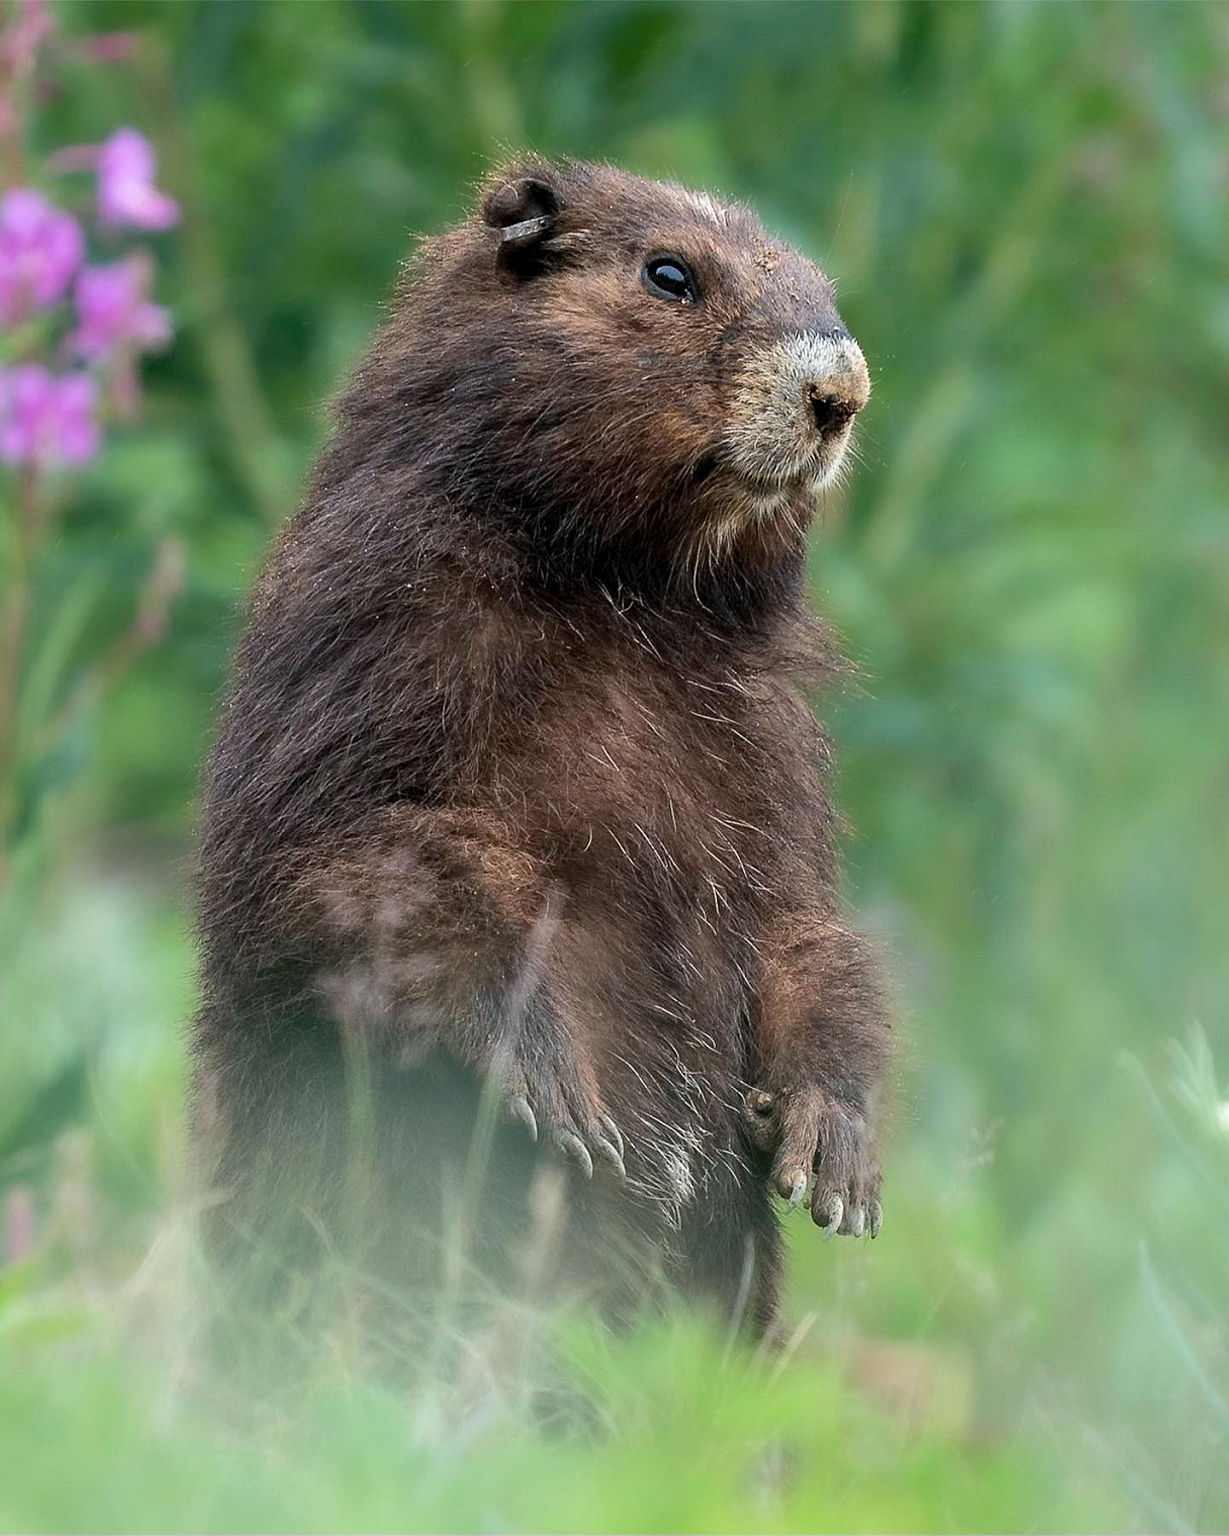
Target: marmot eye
{"points": [[669, 277]]}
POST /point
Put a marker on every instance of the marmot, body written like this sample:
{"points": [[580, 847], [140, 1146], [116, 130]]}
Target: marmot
{"points": [[517, 786]]}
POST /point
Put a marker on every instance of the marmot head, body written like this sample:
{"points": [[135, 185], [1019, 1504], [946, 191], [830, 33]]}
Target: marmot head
{"points": [[628, 373]]}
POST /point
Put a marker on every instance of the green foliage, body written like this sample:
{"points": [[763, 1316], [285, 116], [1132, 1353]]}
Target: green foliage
{"points": [[1024, 207], [689, 1441]]}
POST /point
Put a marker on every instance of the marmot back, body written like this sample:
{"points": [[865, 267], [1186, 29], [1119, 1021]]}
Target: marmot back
{"points": [[517, 804]]}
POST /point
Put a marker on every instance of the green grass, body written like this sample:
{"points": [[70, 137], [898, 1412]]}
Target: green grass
{"points": [[686, 1440], [918, 1389]]}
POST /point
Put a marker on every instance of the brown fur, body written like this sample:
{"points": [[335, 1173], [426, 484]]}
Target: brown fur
{"points": [[516, 776]]}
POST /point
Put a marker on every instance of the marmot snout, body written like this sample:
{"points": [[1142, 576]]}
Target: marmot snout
{"points": [[794, 407]]}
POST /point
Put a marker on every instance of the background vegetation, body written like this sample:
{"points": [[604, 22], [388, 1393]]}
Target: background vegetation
{"points": [[1025, 206]]}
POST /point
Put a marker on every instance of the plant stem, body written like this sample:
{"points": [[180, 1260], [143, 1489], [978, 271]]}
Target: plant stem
{"points": [[28, 522], [249, 431]]}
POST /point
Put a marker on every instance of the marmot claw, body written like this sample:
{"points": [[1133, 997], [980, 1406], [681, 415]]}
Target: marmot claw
{"points": [[521, 1108], [570, 1143]]}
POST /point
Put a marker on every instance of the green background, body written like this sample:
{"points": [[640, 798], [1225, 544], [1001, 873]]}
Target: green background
{"points": [[1026, 210]]}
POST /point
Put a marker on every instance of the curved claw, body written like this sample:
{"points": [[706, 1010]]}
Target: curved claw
{"points": [[856, 1222], [834, 1209], [570, 1144], [521, 1108], [613, 1133], [875, 1220], [611, 1153], [798, 1188]]}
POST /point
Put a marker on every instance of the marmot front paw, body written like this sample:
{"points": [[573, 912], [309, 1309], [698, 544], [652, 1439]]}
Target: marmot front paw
{"points": [[556, 1102], [820, 1142]]}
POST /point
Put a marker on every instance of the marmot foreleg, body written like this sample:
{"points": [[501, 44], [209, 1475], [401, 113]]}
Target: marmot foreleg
{"points": [[441, 932], [822, 1042]]}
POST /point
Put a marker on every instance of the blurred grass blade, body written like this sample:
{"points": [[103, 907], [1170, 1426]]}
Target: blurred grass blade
{"points": [[1173, 1330]]}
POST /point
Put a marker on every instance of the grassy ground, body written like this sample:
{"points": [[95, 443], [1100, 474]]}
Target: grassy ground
{"points": [[921, 1386]]}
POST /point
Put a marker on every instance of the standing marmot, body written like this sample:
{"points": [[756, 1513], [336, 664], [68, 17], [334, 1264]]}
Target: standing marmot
{"points": [[516, 784]]}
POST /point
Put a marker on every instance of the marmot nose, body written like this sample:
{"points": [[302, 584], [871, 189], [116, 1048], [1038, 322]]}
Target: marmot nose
{"points": [[831, 408], [835, 381]]}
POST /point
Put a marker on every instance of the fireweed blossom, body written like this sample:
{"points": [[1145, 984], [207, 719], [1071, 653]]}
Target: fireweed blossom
{"points": [[41, 248], [50, 418], [46, 419], [51, 408], [126, 191], [114, 311]]}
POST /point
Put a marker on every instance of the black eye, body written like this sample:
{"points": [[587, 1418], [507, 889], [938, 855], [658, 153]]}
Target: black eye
{"points": [[669, 277]]}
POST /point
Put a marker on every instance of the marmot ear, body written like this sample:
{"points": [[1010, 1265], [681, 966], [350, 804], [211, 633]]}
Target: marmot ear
{"points": [[524, 212]]}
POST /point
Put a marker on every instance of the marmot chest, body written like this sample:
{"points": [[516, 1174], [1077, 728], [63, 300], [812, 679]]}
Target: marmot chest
{"points": [[681, 803]]}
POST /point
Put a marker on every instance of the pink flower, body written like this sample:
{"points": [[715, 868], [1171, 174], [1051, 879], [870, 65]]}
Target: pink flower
{"points": [[40, 249], [114, 310], [126, 191], [45, 419]]}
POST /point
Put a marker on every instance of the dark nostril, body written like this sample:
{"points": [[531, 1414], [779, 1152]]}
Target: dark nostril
{"points": [[831, 412]]}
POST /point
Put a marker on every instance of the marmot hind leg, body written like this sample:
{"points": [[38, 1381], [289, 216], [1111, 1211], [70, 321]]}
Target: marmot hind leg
{"points": [[733, 1257]]}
